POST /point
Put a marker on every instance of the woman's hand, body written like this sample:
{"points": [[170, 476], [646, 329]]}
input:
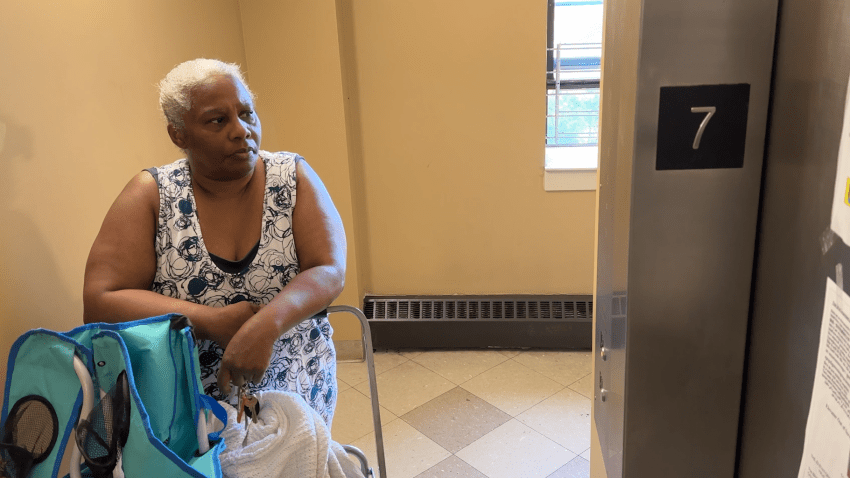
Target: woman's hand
{"points": [[248, 354]]}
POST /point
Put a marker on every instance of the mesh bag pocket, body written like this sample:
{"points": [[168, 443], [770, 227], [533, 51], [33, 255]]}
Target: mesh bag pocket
{"points": [[102, 434], [28, 436]]}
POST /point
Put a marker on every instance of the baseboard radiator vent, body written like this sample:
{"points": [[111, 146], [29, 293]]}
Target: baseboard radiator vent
{"points": [[515, 321]]}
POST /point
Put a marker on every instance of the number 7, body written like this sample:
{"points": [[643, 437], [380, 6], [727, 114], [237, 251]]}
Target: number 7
{"points": [[702, 109]]}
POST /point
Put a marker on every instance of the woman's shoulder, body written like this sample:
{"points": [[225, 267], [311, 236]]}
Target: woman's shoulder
{"points": [[176, 172], [141, 193], [280, 157], [281, 166], [178, 164]]}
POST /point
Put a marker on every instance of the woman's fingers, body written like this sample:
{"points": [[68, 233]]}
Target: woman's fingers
{"points": [[230, 374], [224, 380]]}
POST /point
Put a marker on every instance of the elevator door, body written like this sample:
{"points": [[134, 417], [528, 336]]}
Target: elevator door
{"points": [[795, 250]]}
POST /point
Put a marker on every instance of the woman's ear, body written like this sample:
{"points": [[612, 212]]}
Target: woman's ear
{"points": [[177, 136]]}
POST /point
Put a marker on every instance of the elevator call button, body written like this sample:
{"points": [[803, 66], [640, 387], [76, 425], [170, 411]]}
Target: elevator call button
{"points": [[702, 127]]}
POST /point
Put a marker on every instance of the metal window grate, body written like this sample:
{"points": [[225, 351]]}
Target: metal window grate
{"points": [[479, 308], [572, 111]]}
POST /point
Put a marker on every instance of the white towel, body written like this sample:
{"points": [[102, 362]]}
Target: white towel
{"points": [[289, 440]]}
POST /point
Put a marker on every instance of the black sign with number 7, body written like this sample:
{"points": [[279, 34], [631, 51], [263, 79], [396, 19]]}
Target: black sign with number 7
{"points": [[702, 127]]}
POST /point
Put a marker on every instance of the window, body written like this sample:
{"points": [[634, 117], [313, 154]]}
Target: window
{"points": [[574, 54]]}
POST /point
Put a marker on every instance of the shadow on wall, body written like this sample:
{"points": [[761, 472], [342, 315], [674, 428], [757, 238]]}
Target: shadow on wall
{"points": [[32, 293]]}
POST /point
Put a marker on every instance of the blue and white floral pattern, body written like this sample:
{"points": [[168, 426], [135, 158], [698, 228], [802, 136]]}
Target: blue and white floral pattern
{"points": [[304, 360]]}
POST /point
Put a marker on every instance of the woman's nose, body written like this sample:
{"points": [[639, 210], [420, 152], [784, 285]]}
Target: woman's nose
{"points": [[241, 129]]}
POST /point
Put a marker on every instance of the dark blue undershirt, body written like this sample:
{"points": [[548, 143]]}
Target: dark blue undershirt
{"points": [[235, 267], [228, 266]]}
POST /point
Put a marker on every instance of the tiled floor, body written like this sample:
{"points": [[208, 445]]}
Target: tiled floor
{"points": [[476, 413]]}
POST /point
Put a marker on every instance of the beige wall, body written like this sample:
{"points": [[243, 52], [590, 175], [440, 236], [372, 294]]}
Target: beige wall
{"points": [[450, 120], [79, 105]]}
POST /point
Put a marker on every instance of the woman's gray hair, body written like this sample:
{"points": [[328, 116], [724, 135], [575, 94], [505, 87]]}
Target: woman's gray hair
{"points": [[175, 88]]}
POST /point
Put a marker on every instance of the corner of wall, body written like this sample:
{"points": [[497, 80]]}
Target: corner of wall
{"points": [[245, 67], [354, 138]]}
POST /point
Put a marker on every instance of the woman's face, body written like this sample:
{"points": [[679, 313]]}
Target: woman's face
{"points": [[222, 131]]}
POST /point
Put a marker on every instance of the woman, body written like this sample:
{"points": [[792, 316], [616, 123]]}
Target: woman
{"points": [[245, 243]]}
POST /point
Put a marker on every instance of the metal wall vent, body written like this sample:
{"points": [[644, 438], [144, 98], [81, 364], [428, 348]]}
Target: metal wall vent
{"points": [[479, 308]]}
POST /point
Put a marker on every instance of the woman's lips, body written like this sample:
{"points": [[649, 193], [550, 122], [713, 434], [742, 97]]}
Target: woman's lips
{"points": [[244, 152]]}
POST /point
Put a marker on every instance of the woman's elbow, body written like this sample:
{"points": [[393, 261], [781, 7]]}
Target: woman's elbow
{"points": [[96, 298], [91, 305], [337, 280]]}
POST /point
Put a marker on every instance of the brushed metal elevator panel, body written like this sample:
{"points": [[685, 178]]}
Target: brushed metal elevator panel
{"points": [[676, 247], [616, 152], [810, 87]]}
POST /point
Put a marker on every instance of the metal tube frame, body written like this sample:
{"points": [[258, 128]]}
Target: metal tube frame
{"points": [[373, 383]]}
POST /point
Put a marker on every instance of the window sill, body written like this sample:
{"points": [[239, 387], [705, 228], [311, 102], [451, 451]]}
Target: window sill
{"points": [[571, 169]]}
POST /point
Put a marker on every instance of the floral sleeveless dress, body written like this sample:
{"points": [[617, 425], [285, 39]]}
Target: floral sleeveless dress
{"points": [[304, 360]]}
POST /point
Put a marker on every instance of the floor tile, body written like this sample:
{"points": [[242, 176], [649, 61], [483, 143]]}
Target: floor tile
{"points": [[584, 386], [410, 353], [458, 366], [341, 385], [353, 416], [427, 416], [354, 373], [564, 367], [407, 386], [351, 373], [408, 452], [563, 418], [515, 450], [512, 387], [387, 360], [455, 419], [509, 352], [578, 467], [452, 467]]}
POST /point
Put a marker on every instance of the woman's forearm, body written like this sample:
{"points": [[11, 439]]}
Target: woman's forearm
{"points": [[134, 304], [307, 294]]}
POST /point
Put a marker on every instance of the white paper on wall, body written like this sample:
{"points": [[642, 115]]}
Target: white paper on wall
{"points": [[826, 452]]}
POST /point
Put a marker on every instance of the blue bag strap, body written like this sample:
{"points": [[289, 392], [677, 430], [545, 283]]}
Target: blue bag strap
{"points": [[210, 404]]}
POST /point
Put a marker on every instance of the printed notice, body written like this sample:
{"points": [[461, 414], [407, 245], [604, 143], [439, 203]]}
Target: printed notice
{"points": [[826, 452], [840, 222]]}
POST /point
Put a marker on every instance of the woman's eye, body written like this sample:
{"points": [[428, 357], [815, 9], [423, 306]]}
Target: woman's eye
{"points": [[248, 113], [217, 120]]}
